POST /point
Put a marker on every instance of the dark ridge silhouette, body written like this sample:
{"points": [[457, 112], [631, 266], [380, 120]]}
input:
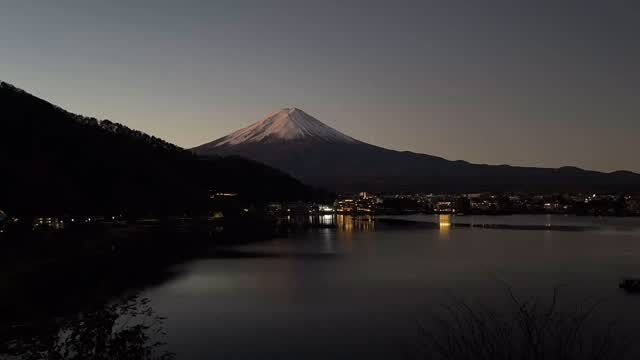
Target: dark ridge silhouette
{"points": [[302, 146], [53, 161]]}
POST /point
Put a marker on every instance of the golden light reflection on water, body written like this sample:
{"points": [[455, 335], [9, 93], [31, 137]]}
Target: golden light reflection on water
{"points": [[444, 220], [345, 223], [348, 223]]}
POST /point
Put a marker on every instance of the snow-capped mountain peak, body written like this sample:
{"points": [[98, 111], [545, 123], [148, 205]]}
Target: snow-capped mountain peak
{"points": [[289, 124]]}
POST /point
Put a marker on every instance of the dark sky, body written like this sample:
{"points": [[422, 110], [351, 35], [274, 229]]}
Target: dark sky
{"points": [[544, 83]]}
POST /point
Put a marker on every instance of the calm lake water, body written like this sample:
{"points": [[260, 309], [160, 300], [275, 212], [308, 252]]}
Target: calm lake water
{"points": [[357, 291]]}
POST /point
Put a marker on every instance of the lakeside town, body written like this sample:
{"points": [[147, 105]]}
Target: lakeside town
{"points": [[598, 204], [604, 204], [231, 205]]}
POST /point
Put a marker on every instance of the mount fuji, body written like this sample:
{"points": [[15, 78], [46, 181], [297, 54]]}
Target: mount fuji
{"points": [[296, 142], [286, 125]]}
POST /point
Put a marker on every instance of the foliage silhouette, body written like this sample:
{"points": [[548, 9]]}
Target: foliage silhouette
{"points": [[125, 330], [531, 330]]}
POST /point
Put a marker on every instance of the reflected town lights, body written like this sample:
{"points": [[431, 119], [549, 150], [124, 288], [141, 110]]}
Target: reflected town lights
{"points": [[327, 220], [444, 220], [348, 223]]}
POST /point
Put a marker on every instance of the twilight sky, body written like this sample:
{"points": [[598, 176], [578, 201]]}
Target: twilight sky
{"points": [[540, 83]]}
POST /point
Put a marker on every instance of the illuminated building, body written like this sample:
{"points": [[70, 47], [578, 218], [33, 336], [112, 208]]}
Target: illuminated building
{"points": [[445, 207], [345, 206], [323, 209], [48, 223]]}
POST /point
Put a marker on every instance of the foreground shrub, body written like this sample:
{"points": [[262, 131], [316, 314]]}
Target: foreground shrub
{"points": [[125, 330], [526, 330]]}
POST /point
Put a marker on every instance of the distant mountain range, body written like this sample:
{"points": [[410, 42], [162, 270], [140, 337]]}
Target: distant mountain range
{"points": [[297, 143], [53, 161]]}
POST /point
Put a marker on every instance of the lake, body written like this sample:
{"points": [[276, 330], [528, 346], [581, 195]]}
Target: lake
{"points": [[358, 291]]}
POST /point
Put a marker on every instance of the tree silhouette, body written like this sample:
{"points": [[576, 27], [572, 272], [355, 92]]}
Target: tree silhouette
{"points": [[125, 330], [53, 161]]}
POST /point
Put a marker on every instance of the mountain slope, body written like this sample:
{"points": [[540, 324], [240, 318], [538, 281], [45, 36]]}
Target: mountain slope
{"points": [[290, 124], [342, 163], [54, 161]]}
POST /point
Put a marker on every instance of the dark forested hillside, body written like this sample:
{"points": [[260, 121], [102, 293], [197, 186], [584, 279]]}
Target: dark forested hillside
{"points": [[53, 161]]}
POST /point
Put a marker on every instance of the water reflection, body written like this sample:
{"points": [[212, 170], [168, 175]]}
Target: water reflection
{"points": [[343, 223], [444, 222], [128, 329], [348, 223], [328, 241], [326, 219]]}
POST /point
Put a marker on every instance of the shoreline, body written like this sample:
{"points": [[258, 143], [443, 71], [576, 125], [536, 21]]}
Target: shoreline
{"points": [[80, 269], [433, 224]]}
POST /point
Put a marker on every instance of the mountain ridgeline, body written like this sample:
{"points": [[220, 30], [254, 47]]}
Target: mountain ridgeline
{"points": [[53, 161], [297, 143]]}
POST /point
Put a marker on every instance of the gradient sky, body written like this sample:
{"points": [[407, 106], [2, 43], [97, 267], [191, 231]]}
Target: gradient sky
{"points": [[540, 83]]}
